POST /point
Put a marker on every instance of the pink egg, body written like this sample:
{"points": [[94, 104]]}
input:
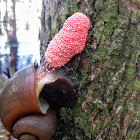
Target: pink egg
{"points": [[69, 41]]}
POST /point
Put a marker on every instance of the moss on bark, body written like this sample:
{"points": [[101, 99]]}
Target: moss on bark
{"points": [[107, 70]]}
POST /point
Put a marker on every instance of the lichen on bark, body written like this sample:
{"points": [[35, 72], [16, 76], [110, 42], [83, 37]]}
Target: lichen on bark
{"points": [[107, 71]]}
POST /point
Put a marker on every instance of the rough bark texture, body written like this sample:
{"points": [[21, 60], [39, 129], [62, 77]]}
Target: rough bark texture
{"points": [[107, 70]]}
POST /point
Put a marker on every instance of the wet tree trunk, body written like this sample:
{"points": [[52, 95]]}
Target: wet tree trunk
{"points": [[11, 32], [107, 70], [0, 24]]}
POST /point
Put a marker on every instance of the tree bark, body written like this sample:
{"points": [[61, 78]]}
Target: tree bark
{"points": [[0, 24], [107, 70], [12, 38], [11, 34]]}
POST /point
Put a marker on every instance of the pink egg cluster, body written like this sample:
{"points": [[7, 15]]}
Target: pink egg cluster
{"points": [[69, 41]]}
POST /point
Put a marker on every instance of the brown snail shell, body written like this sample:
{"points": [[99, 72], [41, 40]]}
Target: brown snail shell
{"points": [[20, 103], [44, 130]]}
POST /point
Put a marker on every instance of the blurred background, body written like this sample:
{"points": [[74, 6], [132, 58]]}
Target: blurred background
{"points": [[19, 39]]}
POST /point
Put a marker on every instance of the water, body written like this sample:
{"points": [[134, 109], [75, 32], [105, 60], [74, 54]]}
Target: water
{"points": [[28, 48], [27, 53], [28, 25]]}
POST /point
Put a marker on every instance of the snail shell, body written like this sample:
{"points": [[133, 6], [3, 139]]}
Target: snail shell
{"points": [[23, 111], [36, 126]]}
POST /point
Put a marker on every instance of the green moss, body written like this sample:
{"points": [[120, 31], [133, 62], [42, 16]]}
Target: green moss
{"points": [[110, 26], [89, 133], [134, 135], [54, 22], [83, 119], [65, 138], [110, 97], [106, 34], [129, 74], [73, 8], [98, 106], [63, 113], [127, 53], [98, 128], [54, 31], [136, 84], [63, 19]]}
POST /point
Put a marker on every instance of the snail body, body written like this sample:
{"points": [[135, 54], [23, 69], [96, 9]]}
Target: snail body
{"points": [[21, 104]]}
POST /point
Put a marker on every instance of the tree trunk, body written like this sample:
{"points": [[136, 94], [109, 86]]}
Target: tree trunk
{"points": [[107, 70], [0, 24], [12, 38], [11, 33]]}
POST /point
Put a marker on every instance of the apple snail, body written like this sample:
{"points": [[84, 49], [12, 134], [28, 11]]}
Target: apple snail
{"points": [[28, 99]]}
